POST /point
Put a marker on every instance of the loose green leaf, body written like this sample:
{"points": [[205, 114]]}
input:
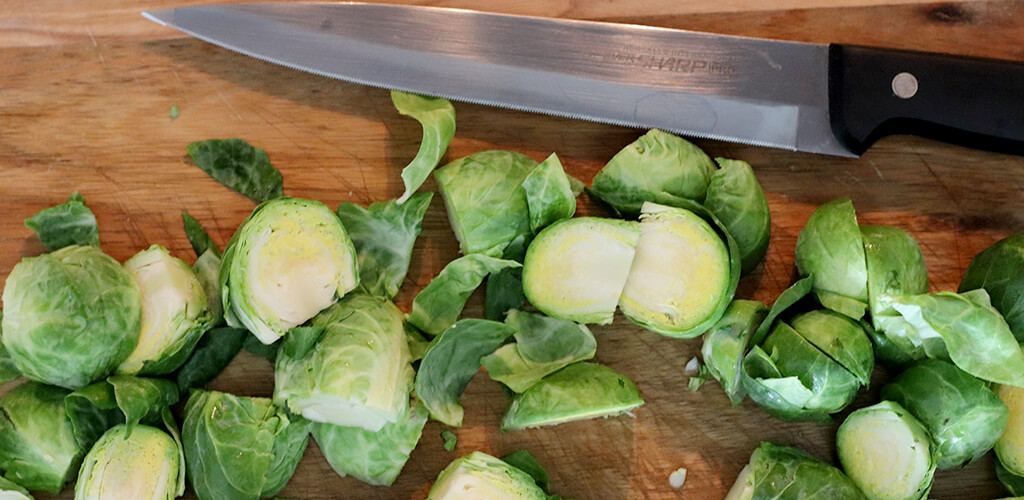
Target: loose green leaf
{"points": [[437, 117], [239, 166], [449, 440], [726, 342], [70, 223], [504, 289], [372, 457], [735, 197], [38, 449], [440, 303], [831, 248], [174, 112], [548, 194], [895, 267], [787, 299], [289, 446], [543, 346], [1012, 482], [198, 237], [212, 354], [999, 270], [525, 462], [777, 471]]}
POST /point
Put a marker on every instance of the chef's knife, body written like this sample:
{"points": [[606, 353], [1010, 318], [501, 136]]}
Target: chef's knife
{"points": [[832, 99]]}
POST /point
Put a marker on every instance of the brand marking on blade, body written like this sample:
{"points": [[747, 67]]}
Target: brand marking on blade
{"points": [[674, 61]]}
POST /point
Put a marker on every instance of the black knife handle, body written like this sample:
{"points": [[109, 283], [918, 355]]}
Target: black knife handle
{"points": [[970, 101]]}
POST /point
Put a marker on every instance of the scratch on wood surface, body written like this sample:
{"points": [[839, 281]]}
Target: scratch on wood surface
{"points": [[228, 104], [95, 45], [877, 171]]}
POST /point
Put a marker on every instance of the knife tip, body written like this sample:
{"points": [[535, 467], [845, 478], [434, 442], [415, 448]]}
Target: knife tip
{"points": [[161, 17]]}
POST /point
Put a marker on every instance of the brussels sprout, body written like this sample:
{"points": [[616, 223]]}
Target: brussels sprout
{"points": [[726, 342], [1010, 446], [71, 316], [735, 197], [886, 452], [239, 166], [8, 370], [681, 278], [38, 449], [239, 447], [782, 472], [543, 346], [839, 337], [70, 223], [120, 399], [830, 247], [479, 476], [657, 167], [289, 260], [11, 491], [486, 202], [895, 267], [575, 269], [437, 117], [356, 372], [963, 417], [440, 303], [579, 391], [175, 312], [549, 195], [998, 269], [1012, 482], [131, 463]]}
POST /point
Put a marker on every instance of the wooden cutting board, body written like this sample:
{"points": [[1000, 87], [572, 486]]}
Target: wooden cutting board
{"points": [[85, 97]]}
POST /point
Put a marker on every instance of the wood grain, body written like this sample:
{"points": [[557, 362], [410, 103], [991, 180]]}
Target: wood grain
{"points": [[91, 114]]}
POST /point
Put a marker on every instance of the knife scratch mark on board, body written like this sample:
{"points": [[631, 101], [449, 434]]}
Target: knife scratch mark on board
{"points": [[96, 45], [228, 104]]}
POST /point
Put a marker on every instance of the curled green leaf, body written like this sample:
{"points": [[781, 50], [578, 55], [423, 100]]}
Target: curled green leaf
{"points": [[437, 117]]}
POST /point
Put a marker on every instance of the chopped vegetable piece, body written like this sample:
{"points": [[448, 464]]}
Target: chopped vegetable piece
{"points": [[239, 166], [437, 117], [70, 223], [440, 303]]}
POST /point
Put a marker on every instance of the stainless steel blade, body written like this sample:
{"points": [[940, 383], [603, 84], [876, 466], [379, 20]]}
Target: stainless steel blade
{"points": [[753, 91]]}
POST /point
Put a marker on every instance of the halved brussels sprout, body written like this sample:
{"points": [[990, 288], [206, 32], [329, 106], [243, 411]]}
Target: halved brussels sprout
{"points": [[575, 269], [1010, 446], [999, 270], [735, 197], [830, 247], [38, 449], [135, 463], [175, 312], [543, 346], [726, 343], [71, 316], [680, 278], [289, 260], [777, 471], [479, 476], [886, 452]]}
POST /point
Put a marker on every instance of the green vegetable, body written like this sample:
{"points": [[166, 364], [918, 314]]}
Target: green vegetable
{"points": [[726, 342], [383, 235], [132, 463], [71, 316], [440, 303], [658, 167], [207, 271], [548, 194], [437, 117], [575, 269], [543, 346], [198, 237], [998, 269], [450, 440], [895, 267], [353, 369], [963, 417], [577, 392], [524, 461], [504, 290], [485, 199], [777, 471], [1010, 446], [239, 166], [70, 223], [120, 399], [290, 259], [174, 112], [11, 491], [212, 354], [8, 371], [886, 452], [1012, 482], [480, 476], [38, 449], [839, 337], [735, 198], [831, 248]]}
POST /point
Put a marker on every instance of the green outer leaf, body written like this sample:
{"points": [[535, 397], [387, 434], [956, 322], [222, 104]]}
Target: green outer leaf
{"points": [[657, 167], [886, 351], [839, 337], [450, 363], [895, 267], [577, 392], [378, 457], [784, 472], [500, 478], [504, 289], [978, 339], [525, 462], [207, 271], [440, 303], [548, 194], [788, 298], [831, 248], [998, 269], [963, 416], [212, 354], [289, 446], [70, 223], [38, 449], [198, 237], [418, 344], [142, 399], [8, 370], [383, 235], [543, 346], [736, 199], [239, 166], [437, 117], [252, 345], [726, 341], [92, 410], [1012, 482]]}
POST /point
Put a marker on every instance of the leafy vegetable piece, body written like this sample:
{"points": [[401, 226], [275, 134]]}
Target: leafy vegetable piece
{"points": [[8, 371], [548, 194], [886, 351], [239, 166], [575, 269], [372, 457], [198, 237], [383, 235], [735, 197], [290, 259], [130, 463], [840, 338], [357, 373], [449, 440], [504, 290], [895, 267], [1010, 446], [1012, 482], [212, 354], [787, 299], [207, 271], [577, 392], [450, 363], [67, 224], [233, 446], [38, 449], [440, 303], [479, 475], [682, 278], [12, 491], [831, 248], [963, 417], [174, 112], [252, 345], [524, 461], [726, 342], [120, 399], [437, 117], [998, 269], [886, 452], [658, 167], [71, 316], [485, 199], [417, 343], [777, 471], [543, 346]]}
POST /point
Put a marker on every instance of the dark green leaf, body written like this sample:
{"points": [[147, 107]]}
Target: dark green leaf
{"points": [[440, 303], [213, 352], [239, 166], [525, 462], [999, 269], [198, 236], [449, 440], [504, 289], [70, 223]]}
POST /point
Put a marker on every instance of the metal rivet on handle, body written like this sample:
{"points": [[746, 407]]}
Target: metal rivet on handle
{"points": [[904, 85]]}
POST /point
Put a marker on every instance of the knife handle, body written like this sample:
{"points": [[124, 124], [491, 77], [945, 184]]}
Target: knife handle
{"points": [[970, 101]]}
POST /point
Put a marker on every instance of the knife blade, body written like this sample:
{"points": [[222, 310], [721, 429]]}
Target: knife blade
{"points": [[829, 99]]}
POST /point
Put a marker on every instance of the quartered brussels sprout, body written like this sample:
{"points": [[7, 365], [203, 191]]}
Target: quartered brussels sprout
{"points": [[963, 417], [886, 452], [895, 267], [1010, 446], [830, 247], [783, 472], [175, 312], [726, 342], [289, 260], [999, 269], [543, 346], [38, 449], [479, 476], [135, 463], [70, 316], [735, 198], [549, 194], [575, 269]]}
